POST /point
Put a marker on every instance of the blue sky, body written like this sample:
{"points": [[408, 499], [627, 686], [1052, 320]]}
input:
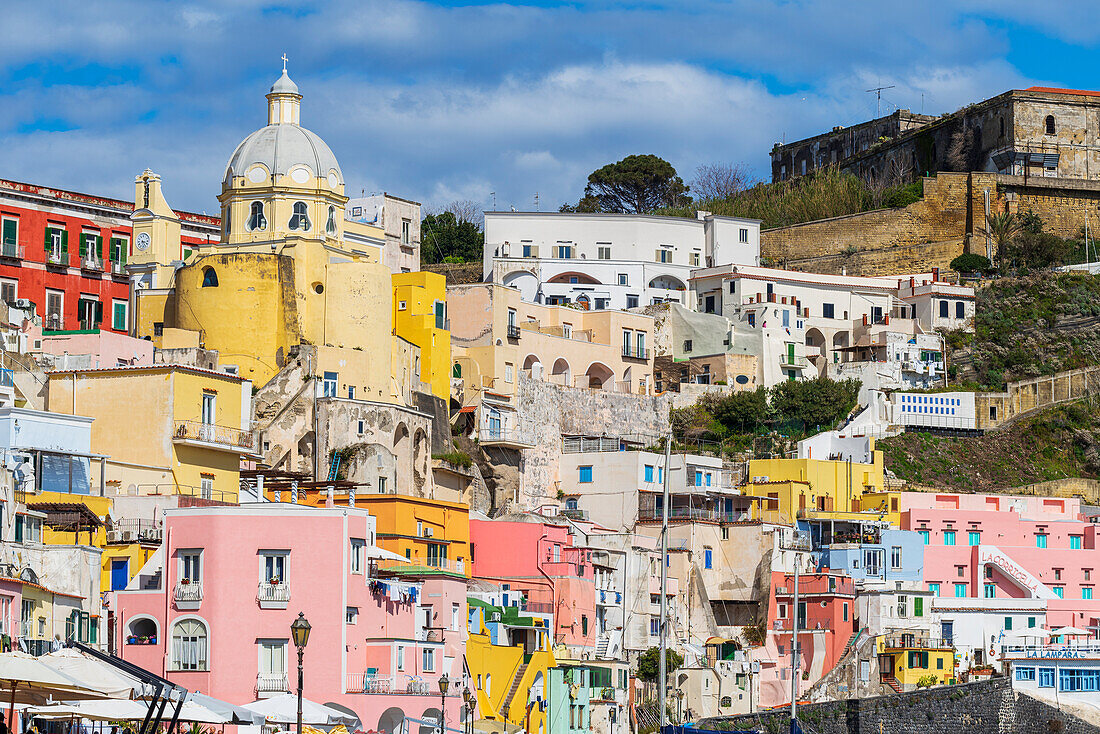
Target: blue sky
{"points": [[449, 100]]}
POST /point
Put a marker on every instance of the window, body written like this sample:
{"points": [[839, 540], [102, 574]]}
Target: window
{"points": [[300, 218], [406, 231], [9, 290], [708, 557], [960, 310], [960, 591], [585, 475], [1059, 591], [903, 605], [1075, 542], [918, 607], [990, 591], [509, 369], [563, 252], [358, 550], [844, 611], [329, 383], [456, 617], [189, 649], [628, 337], [9, 235], [827, 310], [603, 253], [1040, 540], [351, 615], [663, 256], [925, 536], [429, 660], [949, 537], [1031, 622], [943, 309], [895, 557], [190, 566], [1078, 679], [330, 225], [440, 308], [584, 625], [974, 537], [209, 278], [273, 567], [1008, 624], [206, 486], [935, 589], [400, 657], [209, 408], [1046, 677], [631, 301], [743, 235], [1050, 125], [654, 626], [647, 473], [119, 319], [257, 222], [273, 662], [1086, 592], [1025, 673]]}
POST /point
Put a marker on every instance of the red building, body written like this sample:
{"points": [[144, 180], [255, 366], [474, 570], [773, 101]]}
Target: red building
{"points": [[66, 253]]}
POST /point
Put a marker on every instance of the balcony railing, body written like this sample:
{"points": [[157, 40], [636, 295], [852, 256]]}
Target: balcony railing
{"points": [[635, 353], [57, 257], [13, 251], [7, 378], [274, 593], [130, 530], [222, 436], [1052, 652], [369, 683], [574, 513], [538, 607], [784, 625], [272, 683], [788, 360], [418, 565], [92, 262], [189, 592], [118, 268], [506, 435], [913, 642], [513, 331]]}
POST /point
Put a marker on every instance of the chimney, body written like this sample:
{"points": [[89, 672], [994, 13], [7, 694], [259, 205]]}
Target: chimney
{"points": [[935, 274]]}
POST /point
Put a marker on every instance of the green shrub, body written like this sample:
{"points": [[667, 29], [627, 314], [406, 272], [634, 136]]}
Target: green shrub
{"points": [[458, 458], [926, 681], [971, 262]]}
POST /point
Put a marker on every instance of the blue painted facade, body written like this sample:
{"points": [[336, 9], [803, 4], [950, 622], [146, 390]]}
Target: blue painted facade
{"points": [[876, 555]]}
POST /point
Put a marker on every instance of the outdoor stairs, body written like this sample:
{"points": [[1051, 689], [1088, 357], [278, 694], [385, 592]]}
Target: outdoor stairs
{"points": [[852, 641], [893, 683], [601, 647], [515, 687], [334, 470]]}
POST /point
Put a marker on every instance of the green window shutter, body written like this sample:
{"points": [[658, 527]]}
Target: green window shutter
{"points": [[123, 246], [10, 227], [99, 246], [84, 245], [98, 312], [65, 242], [46, 242]]}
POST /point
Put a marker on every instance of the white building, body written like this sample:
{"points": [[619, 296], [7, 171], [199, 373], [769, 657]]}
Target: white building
{"points": [[613, 261], [399, 219], [948, 410], [977, 627], [1060, 674]]}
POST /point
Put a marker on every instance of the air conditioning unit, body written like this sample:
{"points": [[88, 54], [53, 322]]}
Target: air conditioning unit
{"points": [[114, 536], [127, 536]]}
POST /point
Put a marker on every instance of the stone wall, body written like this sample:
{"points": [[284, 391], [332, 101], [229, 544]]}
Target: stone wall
{"points": [[1023, 397], [554, 410], [987, 707]]}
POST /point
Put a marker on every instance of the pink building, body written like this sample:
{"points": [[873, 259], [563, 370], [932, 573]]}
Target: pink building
{"points": [[826, 621], [212, 611], [1001, 547], [537, 557], [96, 349]]}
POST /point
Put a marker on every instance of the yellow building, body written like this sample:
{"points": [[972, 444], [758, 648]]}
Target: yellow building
{"points": [[168, 429], [908, 659], [289, 268], [420, 317], [817, 486], [886, 503], [433, 534], [508, 655]]}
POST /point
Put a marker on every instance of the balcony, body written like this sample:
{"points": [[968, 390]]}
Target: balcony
{"points": [[130, 530], [272, 683], [12, 251], [92, 263], [608, 598], [432, 565], [636, 353], [209, 435], [506, 437], [513, 331], [57, 258], [370, 683], [273, 595], [574, 513], [188, 596], [789, 360], [913, 642], [117, 268]]}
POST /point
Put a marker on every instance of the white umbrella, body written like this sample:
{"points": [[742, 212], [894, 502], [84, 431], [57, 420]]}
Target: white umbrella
{"points": [[1070, 631], [1032, 632], [115, 709], [384, 555], [92, 673], [227, 712], [29, 680], [283, 709]]}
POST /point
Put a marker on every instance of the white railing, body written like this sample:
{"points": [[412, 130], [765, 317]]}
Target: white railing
{"points": [[215, 434], [267, 591], [187, 592], [1052, 652], [91, 262], [272, 683]]}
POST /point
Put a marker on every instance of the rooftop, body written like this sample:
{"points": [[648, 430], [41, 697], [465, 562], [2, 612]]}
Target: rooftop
{"points": [[79, 198]]}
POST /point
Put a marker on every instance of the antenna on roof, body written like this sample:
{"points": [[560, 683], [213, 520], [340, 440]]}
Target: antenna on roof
{"points": [[878, 97], [536, 201], [494, 195]]}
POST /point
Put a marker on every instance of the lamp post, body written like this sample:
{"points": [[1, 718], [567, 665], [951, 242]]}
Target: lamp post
{"points": [[680, 706], [468, 698], [444, 681], [299, 632]]}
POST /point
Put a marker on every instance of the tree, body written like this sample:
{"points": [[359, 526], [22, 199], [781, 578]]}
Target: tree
{"points": [[1002, 227], [718, 181], [635, 185], [971, 262], [817, 402], [649, 664], [739, 412], [452, 235]]}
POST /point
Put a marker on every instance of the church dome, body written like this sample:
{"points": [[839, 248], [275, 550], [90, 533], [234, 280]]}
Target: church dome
{"points": [[284, 145]]}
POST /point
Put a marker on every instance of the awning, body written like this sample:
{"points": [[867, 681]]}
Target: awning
{"points": [[467, 409], [717, 641]]}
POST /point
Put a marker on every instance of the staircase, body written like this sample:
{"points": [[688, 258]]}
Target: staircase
{"points": [[852, 641], [892, 682], [506, 705], [601, 646], [334, 470]]}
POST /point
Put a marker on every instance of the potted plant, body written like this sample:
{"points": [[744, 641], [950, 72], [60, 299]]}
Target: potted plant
{"points": [[131, 640], [274, 581]]}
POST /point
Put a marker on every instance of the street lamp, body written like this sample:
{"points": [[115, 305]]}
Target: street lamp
{"points": [[468, 697], [299, 632], [444, 682], [680, 705]]}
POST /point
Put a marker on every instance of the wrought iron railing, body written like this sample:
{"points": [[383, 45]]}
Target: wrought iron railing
{"points": [[12, 250], [215, 434]]}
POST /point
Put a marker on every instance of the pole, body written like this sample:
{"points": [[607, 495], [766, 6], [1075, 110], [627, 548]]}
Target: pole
{"points": [[794, 649], [442, 712], [301, 650], [662, 681]]}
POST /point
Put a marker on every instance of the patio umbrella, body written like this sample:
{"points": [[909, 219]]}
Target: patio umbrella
{"points": [[1031, 632], [27, 679], [92, 673], [385, 555], [1070, 631], [116, 709], [228, 713], [283, 709]]}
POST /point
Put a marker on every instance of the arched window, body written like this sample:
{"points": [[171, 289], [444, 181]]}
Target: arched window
{"points": [[209, 278], [256, 219], [189, 645], [330, 226], [300, 218], [571, 503], [1050, 124]]}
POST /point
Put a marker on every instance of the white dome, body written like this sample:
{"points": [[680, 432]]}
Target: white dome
{"points": [[282, 147]]}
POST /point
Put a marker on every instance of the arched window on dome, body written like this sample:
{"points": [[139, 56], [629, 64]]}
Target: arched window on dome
{"points": [[300, 218], [256, 219], [330, 227], [209, 278]]}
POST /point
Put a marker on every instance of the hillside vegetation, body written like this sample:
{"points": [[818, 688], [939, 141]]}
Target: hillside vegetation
{"points": [[1057, 443], [1029, 326], [824, 194]]}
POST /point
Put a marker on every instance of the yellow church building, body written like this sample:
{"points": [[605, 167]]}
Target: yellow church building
{"points": [[289, 270]]}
